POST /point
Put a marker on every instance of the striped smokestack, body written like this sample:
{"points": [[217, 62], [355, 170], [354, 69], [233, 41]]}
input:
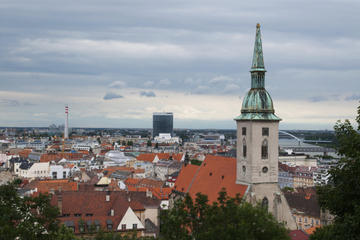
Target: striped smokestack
{"points": [[66, 128]]}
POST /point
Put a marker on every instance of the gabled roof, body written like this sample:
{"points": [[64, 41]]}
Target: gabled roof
{"points": [[95, 203], [149, 157], [146, 157], [298, 235], [303, 201], [45, 186], [214, 174]]}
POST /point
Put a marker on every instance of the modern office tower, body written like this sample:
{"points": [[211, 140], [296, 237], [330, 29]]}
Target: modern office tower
{"points": [[163, 123]]}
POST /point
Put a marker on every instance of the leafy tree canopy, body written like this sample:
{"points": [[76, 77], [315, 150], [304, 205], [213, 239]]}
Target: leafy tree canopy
{"points": [[228, 219], [341, 196], [28, 217]]}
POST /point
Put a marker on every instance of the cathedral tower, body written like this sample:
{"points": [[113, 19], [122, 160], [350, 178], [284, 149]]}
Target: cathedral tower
{"points": [[257, 128], [257, 143]]}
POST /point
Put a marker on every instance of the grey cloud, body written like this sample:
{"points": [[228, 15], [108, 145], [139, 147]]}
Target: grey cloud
{"points": [[147, 94], [206, 42], [111, 95], [9, 103], [324, 98], [117, 84], [353, 97]]}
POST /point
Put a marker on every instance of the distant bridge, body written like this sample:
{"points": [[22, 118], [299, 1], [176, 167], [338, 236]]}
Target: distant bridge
{"points": [[289, 134]]}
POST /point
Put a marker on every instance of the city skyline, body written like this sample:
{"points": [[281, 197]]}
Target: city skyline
{"points": [[115, 63]]}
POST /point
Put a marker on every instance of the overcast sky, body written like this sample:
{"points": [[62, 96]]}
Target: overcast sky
{"points": [[117, 62]]}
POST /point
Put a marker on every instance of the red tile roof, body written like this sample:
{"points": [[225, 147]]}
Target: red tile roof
{"points": [[58, 156], [214, 174], [146, 157], [298, 235], [149, 157], [25, 153], [54, 185]]}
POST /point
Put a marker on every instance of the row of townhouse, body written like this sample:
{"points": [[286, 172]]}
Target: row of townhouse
{"points": [[298, 176], [32, 170]]}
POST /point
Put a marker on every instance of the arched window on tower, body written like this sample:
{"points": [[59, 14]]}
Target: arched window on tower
{"points": [[265, 203], [244, 148], [264, 149]]}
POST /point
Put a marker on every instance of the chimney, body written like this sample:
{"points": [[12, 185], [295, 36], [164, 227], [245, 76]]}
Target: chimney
{"points": [[59, 201], [148, 193], [107, 198]]}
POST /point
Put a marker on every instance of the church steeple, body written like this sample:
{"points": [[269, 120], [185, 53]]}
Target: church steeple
{"points": [[258, 58], [257, 67], [257, 104]]}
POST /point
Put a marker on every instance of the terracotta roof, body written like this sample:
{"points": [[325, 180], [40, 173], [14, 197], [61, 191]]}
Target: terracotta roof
{"points": [[25, 153], [146, 157], [93, 206], [58, 156], [214, 174], [298, 235], [185, 177], [303, 202], [46, 186], [311, 230], [149, 157]]}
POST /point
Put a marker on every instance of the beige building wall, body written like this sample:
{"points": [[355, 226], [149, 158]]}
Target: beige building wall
{"points": [[250, 168], [261, 174]]}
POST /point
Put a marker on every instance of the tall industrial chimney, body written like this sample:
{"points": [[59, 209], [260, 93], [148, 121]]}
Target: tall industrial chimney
{"points": [[66, 128]]}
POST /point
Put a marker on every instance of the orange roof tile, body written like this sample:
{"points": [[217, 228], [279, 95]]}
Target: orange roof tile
{"points": [[25, 153], [215, 173], [311, 230], [55, 185], [146, 157]]}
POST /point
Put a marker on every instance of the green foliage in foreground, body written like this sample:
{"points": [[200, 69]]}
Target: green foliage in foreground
{"points": [[229, 219], [28, 217], [342, 196]]}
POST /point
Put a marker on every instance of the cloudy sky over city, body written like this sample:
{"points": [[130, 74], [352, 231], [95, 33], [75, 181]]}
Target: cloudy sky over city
{"points": [[116, 62]]}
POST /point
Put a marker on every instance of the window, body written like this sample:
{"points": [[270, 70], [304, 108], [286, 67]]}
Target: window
{"points": [[244, 131], [265, 203], [299, 219], [89, 214], [77, 214], [134, 226], [244, 147], [123, 226], [109, 226], [264, 149], [54, 175], [64, 174], [265, 131], [265, 169]]}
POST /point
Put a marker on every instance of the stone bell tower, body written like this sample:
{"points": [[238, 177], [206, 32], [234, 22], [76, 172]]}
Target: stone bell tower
{"points": [[257, 143]]}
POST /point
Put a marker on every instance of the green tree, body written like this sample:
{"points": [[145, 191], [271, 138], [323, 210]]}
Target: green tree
{"points": [[27, 217], [341, 196], [227, 219], [149, 144]]}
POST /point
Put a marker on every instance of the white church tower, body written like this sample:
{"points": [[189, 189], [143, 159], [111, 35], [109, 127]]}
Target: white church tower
{"points": [[257, 143]]}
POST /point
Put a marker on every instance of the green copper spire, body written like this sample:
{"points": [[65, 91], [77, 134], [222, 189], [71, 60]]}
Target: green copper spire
{"points": [[257, 104], [257, 67], [258, 58]]}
